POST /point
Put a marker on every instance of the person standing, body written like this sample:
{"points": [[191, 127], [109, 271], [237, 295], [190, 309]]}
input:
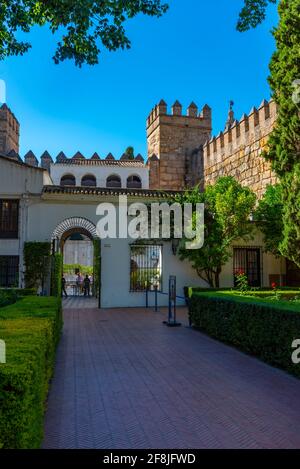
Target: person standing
{"points": [[63, 287], [86, 286]]}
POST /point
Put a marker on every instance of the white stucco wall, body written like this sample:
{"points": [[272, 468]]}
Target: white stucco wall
{"points": [[101, 173], [115, 262], [269, 263], [18, 179]]}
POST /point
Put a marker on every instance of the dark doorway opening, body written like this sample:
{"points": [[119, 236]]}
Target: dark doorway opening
{"points": [[247, 260]]}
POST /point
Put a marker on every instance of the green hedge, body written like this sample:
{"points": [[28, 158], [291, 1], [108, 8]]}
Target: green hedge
{"points": [[11, 295], [20, 291], [188, 291], [37, 263], [31, 330], [256, 326], [56, 274]]}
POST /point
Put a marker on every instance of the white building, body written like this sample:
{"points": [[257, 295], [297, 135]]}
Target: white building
{"points": [[51, 202]]}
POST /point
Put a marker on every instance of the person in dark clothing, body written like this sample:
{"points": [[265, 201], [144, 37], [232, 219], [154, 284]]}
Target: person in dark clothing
{"points": [[86, 286], [63, 286]]}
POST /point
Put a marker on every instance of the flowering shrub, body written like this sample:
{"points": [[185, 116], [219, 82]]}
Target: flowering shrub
{"points": [[242, 281], [276, 294]]}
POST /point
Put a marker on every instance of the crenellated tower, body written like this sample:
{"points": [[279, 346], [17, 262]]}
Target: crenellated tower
{"points": [[175, 145], [9, 131]]}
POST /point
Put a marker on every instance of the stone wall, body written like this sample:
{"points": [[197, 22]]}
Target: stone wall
{"points": [[238, 151], [9, 131], [175, 142]]}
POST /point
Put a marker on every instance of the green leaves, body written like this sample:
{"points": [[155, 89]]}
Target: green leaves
{"points": [[252, 14], [268, 216], [228, 207], [284, 142], [83, 24]]}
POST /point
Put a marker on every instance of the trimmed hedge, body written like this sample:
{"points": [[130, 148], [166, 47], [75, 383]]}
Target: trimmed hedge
{"points": [[9, 296], [256, 326], [56, 274], [188, 291], [31, 330], [19, 291]]}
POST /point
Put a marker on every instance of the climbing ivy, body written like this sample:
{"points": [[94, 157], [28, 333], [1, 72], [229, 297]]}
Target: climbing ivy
{"points": [[37, 264], [97, 268], [56, 274]]}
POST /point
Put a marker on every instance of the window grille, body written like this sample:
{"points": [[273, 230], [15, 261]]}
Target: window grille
{"points": [[113, 182], [145, 267], [9, 219], [9, 271], [247, 260]]}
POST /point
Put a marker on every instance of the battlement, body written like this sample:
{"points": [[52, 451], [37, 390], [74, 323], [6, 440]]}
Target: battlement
{"points": [[78, 159], [238, 150], [193, 117], [248, 130], [176, 140]]}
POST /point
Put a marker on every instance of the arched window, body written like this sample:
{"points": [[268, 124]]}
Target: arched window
{"points": [[113, 181], [89, 181], [68, 180], [134, 182]]}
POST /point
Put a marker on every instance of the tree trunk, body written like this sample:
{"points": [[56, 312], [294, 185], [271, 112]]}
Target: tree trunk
{"points": [[217, 278]]}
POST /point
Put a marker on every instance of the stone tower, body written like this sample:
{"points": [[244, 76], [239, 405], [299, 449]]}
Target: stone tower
{"points": [[9, 131], [175, 145]]}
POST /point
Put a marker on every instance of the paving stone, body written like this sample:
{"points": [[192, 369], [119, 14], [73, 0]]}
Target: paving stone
{"points": [[124, 380]]}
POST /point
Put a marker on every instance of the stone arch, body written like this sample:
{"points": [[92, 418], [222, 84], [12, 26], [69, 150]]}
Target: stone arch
{"points": [[74, 224]]}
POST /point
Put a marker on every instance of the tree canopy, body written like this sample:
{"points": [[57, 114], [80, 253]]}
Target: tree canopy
{"points": [[284, 142], [129, 152], [82, 24], [87, 26], [252, 14], [268, 216]]}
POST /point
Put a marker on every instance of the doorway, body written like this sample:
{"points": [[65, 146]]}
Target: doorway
{"points": [[78, 264], [247, 260]]}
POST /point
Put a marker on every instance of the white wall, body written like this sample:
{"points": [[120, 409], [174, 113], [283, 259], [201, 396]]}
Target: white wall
{"points": [[116, 275], [115, 264], [269, 263], [101, 173], [16, 179]]}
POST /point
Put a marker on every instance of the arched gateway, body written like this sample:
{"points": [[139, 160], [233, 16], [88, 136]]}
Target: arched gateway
{"points": [[74, 225], [66, 230]]}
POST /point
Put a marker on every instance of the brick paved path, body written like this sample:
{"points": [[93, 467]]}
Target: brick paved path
{"points": [[123, 380]]}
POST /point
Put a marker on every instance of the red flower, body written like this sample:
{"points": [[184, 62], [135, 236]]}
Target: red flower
{"points": [[240, 272], [274, 285]]}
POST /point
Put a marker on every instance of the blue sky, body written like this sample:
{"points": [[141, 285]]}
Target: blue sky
{"points": [[193, 53]]}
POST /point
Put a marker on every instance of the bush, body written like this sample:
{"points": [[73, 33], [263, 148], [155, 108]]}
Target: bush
{"points": [[37, 263], [31, 330], [11, 295], [56, 274], [254, 325]]}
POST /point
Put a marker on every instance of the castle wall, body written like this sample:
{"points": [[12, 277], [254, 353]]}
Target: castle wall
{"points": [[9, 131], [238, 151], [175, 146]]}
